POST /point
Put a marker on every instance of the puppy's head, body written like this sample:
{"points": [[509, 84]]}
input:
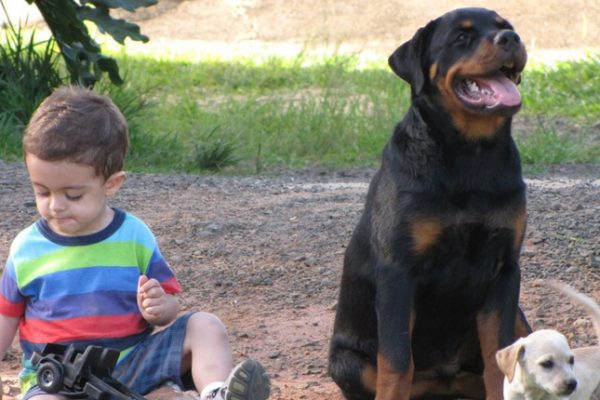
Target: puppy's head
{"points": [[542, 361], [469, 62]]}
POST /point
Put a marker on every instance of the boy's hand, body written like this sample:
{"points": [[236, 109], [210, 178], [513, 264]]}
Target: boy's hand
{"points": [[156, 306]]}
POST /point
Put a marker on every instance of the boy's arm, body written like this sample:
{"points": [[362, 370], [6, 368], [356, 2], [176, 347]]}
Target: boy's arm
{"points": [[8, 330]]}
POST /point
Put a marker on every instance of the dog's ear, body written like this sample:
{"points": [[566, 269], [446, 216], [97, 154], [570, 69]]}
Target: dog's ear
{"points": [[508, 357], [407, 60]]}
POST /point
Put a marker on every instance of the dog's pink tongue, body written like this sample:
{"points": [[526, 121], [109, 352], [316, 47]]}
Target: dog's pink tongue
{"points": [[503, 91]]}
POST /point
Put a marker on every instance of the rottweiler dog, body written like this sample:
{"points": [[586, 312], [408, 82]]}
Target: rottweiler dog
{"points": [[430, 284]]}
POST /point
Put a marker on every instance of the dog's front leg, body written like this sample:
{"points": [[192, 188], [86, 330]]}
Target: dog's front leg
{"points": [[496, 328], [394, 305]]}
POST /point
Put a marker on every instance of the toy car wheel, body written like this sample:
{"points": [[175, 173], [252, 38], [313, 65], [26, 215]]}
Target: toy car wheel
{"points": [[50, 376]]}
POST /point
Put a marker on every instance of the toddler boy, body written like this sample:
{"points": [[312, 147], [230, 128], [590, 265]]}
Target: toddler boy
{"points": [[86, 273]]}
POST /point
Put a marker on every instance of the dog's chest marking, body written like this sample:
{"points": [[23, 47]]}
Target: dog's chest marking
{"points": [[426, 230], [425, 233]]}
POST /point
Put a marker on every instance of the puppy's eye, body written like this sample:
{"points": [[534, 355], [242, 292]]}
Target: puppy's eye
{"points": [[548, 364], [572, 360]]}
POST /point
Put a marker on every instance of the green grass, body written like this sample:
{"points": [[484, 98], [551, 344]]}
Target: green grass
{"points": [[546, 146], [28, 73], [569, 89], [299, 112], [564, 100], [279, 113], [254, 116]]}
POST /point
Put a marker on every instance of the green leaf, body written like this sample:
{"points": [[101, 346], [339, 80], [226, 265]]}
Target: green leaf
{"points": [[129, 5], [119, 29], [80, 64], [110, 66], [81, 53]]}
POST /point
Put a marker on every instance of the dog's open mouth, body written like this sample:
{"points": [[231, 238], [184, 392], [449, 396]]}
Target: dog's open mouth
{"points": [[490, 92]]}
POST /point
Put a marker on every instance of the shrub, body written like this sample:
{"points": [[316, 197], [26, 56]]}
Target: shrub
{"points": [[29, 72]]}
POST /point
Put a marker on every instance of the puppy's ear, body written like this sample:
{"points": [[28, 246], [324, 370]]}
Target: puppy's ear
{"points": [[508, 357], [407, 60]]}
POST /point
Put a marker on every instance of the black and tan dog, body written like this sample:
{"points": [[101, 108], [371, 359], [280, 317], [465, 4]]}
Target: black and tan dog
{"points": [[431, 277]]}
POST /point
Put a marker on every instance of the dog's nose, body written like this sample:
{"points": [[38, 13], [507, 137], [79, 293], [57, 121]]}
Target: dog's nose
{"points": [[508, 40], [571, 385]]}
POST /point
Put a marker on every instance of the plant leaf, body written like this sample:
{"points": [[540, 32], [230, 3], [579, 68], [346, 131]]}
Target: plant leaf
{"points": [[81, 53], [129, 5], [119, 29], [109, 65]]}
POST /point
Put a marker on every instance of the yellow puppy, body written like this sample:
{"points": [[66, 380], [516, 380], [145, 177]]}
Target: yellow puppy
{"points": [[542, 366]]}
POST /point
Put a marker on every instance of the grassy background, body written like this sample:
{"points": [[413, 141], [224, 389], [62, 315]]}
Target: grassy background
{"points": [[250, 116], [277, 113], [332, 112]]}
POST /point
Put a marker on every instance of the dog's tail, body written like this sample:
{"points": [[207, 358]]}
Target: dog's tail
{"points": [[584, 301]]}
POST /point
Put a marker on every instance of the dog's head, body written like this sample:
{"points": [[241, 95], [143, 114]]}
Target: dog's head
{"points": [[542, 361], [468, 61]]}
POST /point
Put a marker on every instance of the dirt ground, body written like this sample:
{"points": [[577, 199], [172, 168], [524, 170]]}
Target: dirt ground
{"points": [[265, 253]]}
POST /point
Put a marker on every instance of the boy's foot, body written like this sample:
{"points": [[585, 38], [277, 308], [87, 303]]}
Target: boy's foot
{"points": [[247, 381]]}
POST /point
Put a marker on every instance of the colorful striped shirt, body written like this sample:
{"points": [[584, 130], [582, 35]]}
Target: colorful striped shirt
{"points": [[81, 290]]}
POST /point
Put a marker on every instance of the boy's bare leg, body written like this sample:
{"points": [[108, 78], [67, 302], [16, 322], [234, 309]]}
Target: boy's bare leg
{"points": [[206, 350]]}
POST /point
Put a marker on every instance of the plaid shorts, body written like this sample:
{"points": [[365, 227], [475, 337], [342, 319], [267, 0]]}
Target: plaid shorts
{"points": [[155, 360]]}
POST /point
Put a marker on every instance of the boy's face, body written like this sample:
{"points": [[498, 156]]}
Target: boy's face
{"points": [[71, 197]]}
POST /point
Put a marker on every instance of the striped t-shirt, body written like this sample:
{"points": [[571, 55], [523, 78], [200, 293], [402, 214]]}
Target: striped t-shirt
{"points": [[81, 290]]}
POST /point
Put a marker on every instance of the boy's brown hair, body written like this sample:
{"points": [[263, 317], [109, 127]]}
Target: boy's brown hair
{"points": [[80, 126]]}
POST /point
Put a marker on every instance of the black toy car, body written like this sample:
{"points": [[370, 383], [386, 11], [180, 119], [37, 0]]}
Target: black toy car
{"points": [[78, 374]]}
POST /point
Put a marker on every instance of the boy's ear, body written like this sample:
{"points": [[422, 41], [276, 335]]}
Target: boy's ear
{"points": [[114, 183]]}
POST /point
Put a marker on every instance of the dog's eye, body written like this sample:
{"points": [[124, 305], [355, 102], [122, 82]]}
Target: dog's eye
{"points": [[461, 38], [572, 360], [464, 37], [548, 364]]}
